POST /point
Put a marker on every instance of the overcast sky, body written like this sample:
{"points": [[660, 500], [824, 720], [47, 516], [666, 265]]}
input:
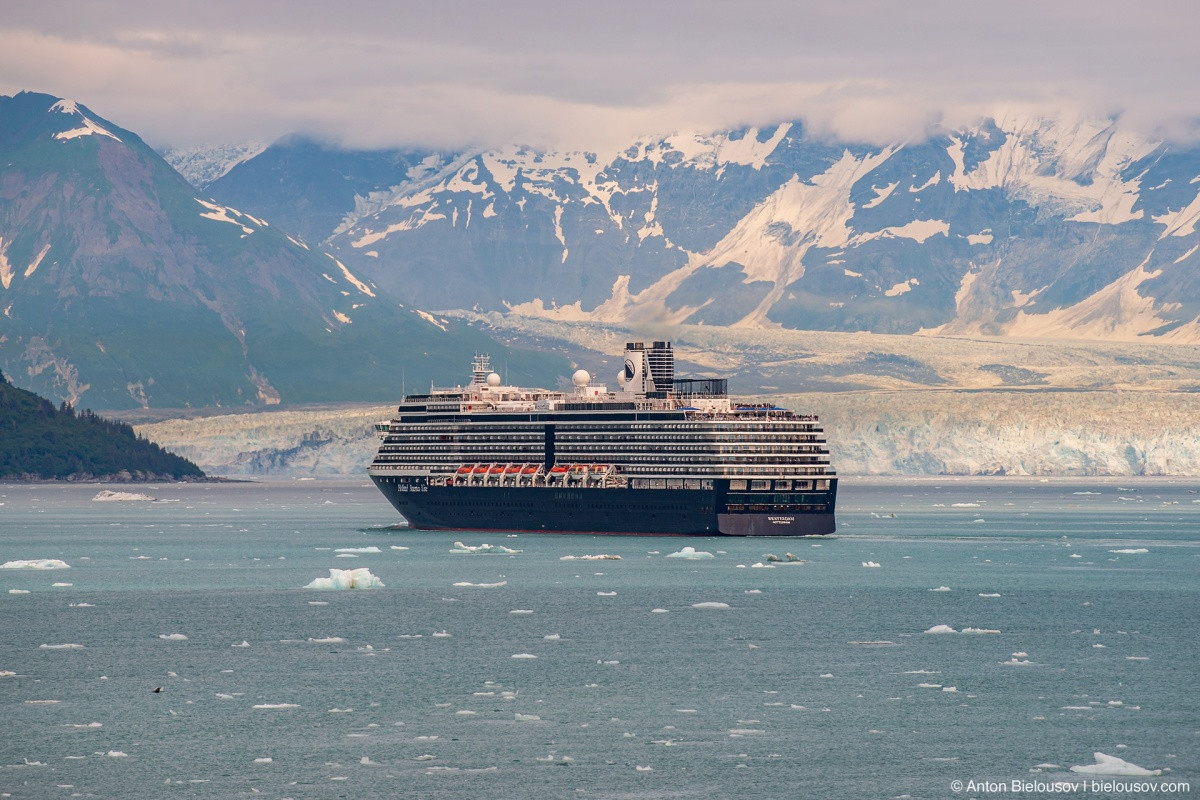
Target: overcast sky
{"points": [[456, 72]]}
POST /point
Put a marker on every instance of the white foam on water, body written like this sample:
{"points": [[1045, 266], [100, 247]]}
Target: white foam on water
{"points": [[710, 605], [753, 591], [1111, 765], [482, 585], [340, 579], [483, 549], [173, 637], [60, 647], [691, 553], [371, 549], [36, 563]]}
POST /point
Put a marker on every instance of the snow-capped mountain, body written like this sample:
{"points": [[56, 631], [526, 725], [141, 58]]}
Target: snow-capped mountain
{"points": [[122, 287], [1020, 226]]}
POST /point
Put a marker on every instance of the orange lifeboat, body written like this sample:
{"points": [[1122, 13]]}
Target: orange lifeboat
{"points": [[530, 470]]}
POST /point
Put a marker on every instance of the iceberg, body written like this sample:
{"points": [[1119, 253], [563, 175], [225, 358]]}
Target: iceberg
{"points": [[484, 549], [870, 563], [941, 629], [710, 605], [347, 579], [371, 549], [36, 563], [1111, 765], [691, 554], [108, 496]]}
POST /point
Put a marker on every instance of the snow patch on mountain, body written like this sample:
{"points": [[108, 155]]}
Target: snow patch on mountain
{"points": [[202, 165]]}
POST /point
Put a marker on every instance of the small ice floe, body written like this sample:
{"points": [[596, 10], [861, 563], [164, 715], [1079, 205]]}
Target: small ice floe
{"points": [[482, 585], [659, 611], [263, 760], [597, 557], [327, 640], [108, 496], [826, 675], [466, 713], [788, 558], [691, 554], [929, 686], [442, 634], [1130, 550], [173, 637], [60, 647], [483, 549], [88, 725], [371, 549], [980, 630], [242, 643], [273, 706], [758, 565], [941, 589], [524, 655], [18, 591], [1076, 555], [36, 563], [1137, 658], [61, 585], [941, 629], [870, 564], [116, 754], [710, 605], [643, 768], [397, 547], [952, 689], [521, 611], [527, 718], [1111, 765], [875, 643], [338, 579], [964, 505], [989, 594], [606, 594]]}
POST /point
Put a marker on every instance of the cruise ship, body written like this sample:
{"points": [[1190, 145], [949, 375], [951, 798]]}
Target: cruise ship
{"points": [[656, 455]]}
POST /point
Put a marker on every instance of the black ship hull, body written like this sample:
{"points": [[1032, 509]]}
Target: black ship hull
{"points": [[600, 510]]}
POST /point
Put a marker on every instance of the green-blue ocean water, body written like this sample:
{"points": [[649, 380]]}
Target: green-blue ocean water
{"points": [[537, 674]]}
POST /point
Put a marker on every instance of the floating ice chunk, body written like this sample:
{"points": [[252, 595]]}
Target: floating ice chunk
{"points": [[441, 635], [597, 557], [371, 549], [173, 637], [327, 640], [482, 585], [979, 630], [875, 643], [524, 655], [18, 591], [870, 563], [277, 705], [1137, 658], [788, 558], [107, 496], [659, 611], [552, 637], [691, 554], [929, 686], [1076, 555], [761, 565], [397, 547], [116, 754], [465, 713], [36, 563], [263, 760], [497, 549], [710, 605], [88, 725], [644, 768], [988, 594], [360, 578], [941, 589], [521, 611], [60, 647], [953, 689], [753, 591], [826, 674], [242, 643], [941, 629], [1111, 765], [606, 594], [61, 585], [527, 717], [1130, 550], [964, 505], [346, 555]]}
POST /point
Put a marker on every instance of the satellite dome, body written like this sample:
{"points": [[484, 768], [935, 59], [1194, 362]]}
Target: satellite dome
{"points": [[581, 378], [493, 379]]}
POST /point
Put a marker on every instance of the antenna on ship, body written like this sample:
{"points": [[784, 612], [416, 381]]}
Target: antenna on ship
{"points": [[481, 365]]}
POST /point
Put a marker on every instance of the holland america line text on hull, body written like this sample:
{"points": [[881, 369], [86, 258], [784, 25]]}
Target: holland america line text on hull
{"points": [[659, 455]]}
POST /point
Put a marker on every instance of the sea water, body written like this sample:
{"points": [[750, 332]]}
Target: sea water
{"points": [[990, 632]]}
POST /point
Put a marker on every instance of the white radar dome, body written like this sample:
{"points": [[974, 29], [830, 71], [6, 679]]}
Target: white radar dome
{"points": [[581, 378], [493, 379], [621, 378]]}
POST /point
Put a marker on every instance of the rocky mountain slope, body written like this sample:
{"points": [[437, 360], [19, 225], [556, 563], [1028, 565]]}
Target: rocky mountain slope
{"points": [[1019, 226], [121, 286]]}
